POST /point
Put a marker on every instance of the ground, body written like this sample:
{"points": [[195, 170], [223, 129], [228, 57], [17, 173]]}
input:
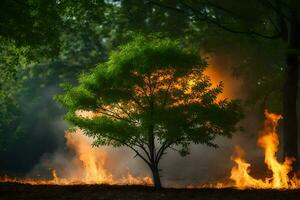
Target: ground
{"points": [[95, 192]]}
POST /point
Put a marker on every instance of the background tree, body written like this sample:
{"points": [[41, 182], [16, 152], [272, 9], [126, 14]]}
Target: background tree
{"points": [[10, 60], [28, 29], [150, 95], [30, 22]]}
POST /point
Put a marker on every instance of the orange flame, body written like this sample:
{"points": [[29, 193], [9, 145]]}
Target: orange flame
{"points": [[269, 141]]}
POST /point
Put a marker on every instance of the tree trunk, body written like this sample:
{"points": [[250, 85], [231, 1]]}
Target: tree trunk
{"points": [[290, 129], [156, 176], [154, 164]]}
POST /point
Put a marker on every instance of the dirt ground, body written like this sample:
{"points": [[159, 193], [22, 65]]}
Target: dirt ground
{"points": [[95, 192]]}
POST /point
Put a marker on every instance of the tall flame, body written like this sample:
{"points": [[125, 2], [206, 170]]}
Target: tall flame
{"points": [[269, 141], [90, 160]]}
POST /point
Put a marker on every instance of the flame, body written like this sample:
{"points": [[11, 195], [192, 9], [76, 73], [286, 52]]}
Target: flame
{"points": [[91, 160], [269, 141], [89, 167]]}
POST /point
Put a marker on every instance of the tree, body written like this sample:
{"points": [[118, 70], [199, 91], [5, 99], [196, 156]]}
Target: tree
{"points": [[27, 28], [268, 19], [11, 58], [30, 22], [151, 95]]}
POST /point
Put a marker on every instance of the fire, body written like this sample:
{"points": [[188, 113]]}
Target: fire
{"points": [[91, 160], [88, 167], [269, 141]]}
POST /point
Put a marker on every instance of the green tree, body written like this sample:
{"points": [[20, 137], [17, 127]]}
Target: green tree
{"points": [[150, 95], [12, 59]]}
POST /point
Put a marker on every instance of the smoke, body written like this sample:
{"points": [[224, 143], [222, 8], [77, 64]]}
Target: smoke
{"points": [[41, 133]]}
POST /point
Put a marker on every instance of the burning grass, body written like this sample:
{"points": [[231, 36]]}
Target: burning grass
{"points": [[127, 180], [87, 167]]}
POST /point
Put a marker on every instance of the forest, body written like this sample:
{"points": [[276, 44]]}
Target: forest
{"points": [[142, 96]]}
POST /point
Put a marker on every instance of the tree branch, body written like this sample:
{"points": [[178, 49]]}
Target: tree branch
{"points": [[141, 145], [132, 148], [113, 114], [203, 17], [125, 111], [138, 103], [162, 149], [276, 8]]}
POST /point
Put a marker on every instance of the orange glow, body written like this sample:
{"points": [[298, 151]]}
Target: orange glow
{"points": [[220, 69], [231, 86]]}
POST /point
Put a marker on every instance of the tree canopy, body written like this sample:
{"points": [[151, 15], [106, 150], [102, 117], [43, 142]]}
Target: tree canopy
{"points": [[31, 23]]}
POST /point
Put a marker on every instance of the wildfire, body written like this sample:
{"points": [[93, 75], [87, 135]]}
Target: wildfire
{"points": [[89, 167], [269, 141], [90, 163]]}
